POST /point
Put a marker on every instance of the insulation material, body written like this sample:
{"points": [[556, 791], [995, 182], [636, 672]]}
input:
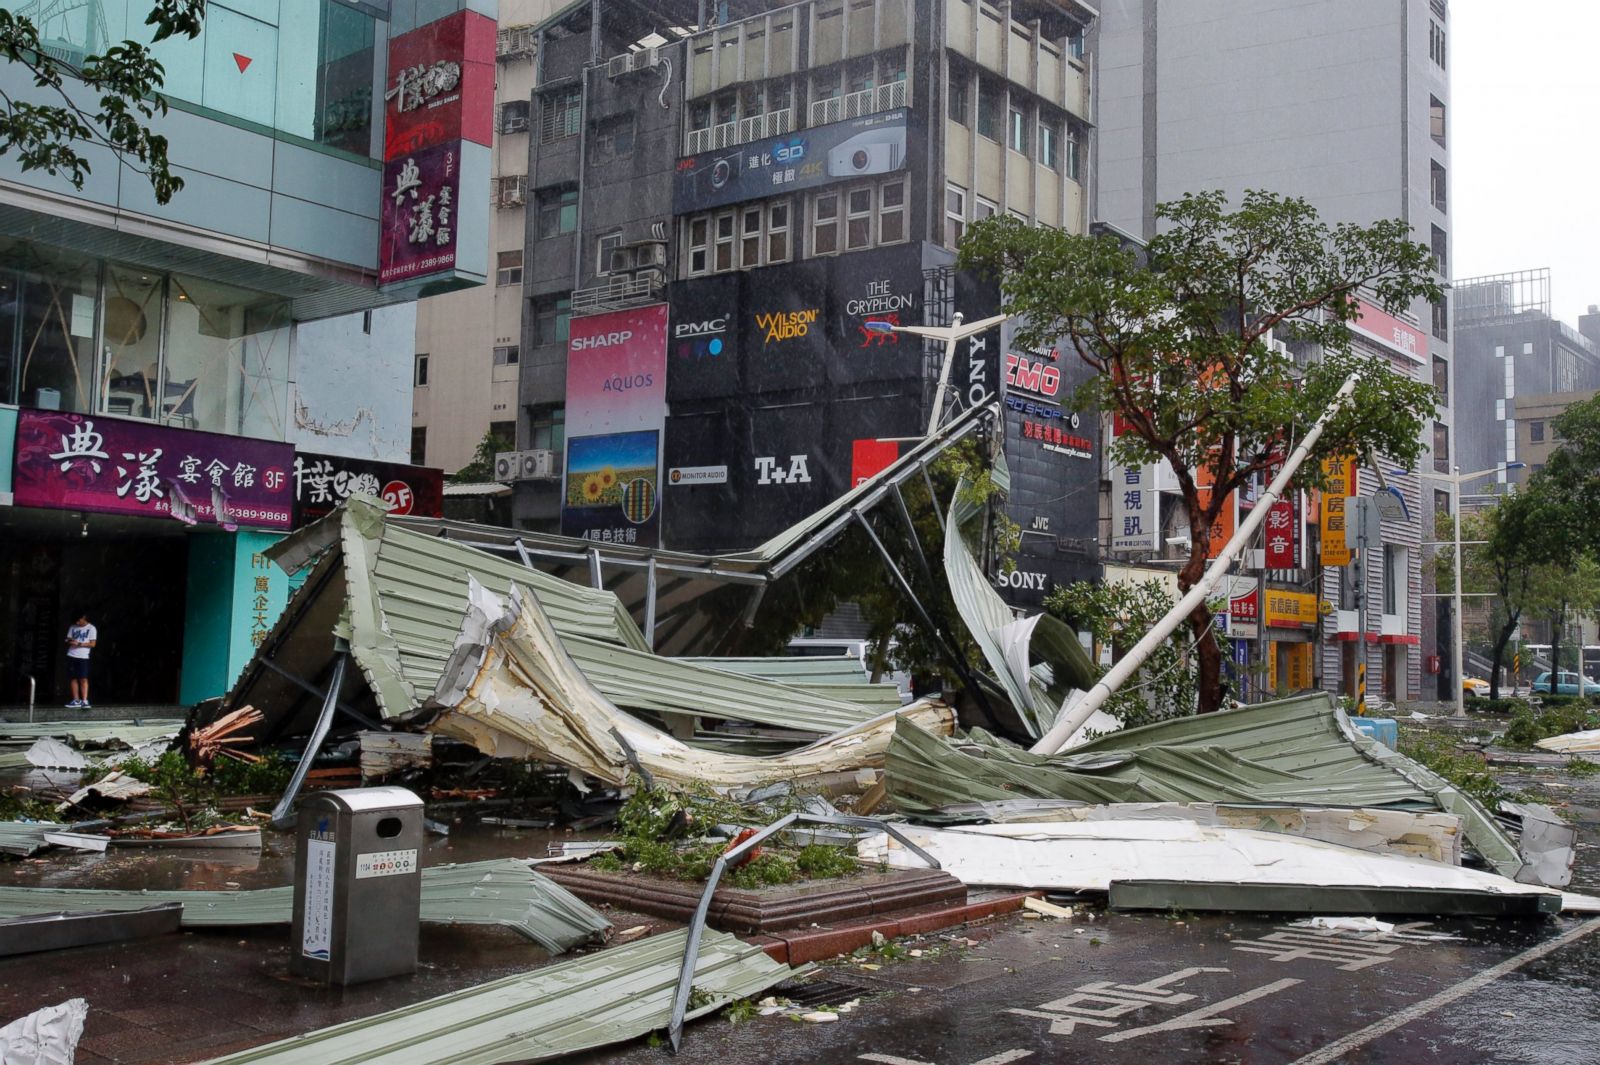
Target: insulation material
{"points": [[1088, 856], [512, 690], [1572, 742], [48, 752], [45, 1037]]}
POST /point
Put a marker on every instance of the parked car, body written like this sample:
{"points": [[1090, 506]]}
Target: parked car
{"points": [[1475, 687], [1566, 684]]}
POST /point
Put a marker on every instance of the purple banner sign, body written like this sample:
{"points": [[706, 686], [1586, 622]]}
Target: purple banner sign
{"points": [[90, 462], [419, 213]]}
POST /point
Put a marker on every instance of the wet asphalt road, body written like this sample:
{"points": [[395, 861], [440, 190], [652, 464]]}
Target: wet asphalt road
{"points": [[1138, 989]]}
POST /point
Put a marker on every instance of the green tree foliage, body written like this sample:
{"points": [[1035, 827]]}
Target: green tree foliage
{"points": [[481, 468], [50, 131], [1179, 343], [1117, 615]]}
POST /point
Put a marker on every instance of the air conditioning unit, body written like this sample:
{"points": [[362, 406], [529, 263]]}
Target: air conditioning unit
{"points": [[619, 65], [651, 276], [506, 465], [649, 254], [537, 465], [621, 261], [644, 59]]}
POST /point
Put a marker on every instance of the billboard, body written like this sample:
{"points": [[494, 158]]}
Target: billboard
{"points": [[438, 123], [805, 159], [68, 461], [322, 482], [884, 286], [616, 411]]}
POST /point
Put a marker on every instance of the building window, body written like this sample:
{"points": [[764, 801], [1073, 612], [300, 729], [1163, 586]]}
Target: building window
{"points": [[1441, 501], [778, 243], [1018, 139], [1075, 43], [872, 214], [1074, 155], [955, 212], [1436, 44], [698, 252], [421, 379], [990, 99], [752, 223], [419, 445], [559, 115], [547, 428], [722, 229], [1436, 120], [1047, 146], [758, 232], [608, 243], [1536, 432], [982, 208], [613, 137], [1441, 251], [504, 432], [550, 321], [1441, 318], [508, 268], [1394, 577], [506, 355], [1436, 186], [959, 97], [558, 212], [1441, 448], [514, 116], [1441, 379]]}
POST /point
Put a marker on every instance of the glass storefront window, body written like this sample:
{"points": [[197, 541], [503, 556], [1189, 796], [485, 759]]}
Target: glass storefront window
{"points": [[226, 366], [47, 326], [130, 345]]}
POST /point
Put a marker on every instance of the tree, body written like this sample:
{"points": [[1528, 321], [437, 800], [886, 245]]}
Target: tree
{"points": [[49, 136], [481, 468], [1179, 344]]}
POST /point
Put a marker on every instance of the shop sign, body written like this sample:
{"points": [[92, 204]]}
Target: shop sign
{"points": [[1221, 530], [438, 105], [822, 155], [1035, 373], [688, 475], [1342, 482], [1278, 538], [1135, 508], [1389, 331], [868, 458], [1291, 610], [322, 482], [68, 461], [1244, 614]]}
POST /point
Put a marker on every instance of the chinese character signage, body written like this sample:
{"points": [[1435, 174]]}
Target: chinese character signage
{"points": [[1290, 610], [438, 125], [1278, 535], [1399, 337], [822, 155], [1135, 508], [70, 461], [616, 411], [322, 482], [1221, 530], [1244, 614], [1341, 483]]}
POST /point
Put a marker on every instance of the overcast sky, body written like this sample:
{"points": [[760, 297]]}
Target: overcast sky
{"points": [[1525, 192]]}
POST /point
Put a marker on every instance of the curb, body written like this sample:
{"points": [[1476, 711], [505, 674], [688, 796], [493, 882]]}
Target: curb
{"points": [[827, 942]]}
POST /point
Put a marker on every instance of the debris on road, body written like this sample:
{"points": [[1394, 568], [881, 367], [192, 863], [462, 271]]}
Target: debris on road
{"points": [[45, 1037], [57, 931]]}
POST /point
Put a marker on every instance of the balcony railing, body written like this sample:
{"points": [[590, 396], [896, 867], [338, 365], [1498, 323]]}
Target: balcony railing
{"points": [[618, 294], [741, 131], [856, 104]]}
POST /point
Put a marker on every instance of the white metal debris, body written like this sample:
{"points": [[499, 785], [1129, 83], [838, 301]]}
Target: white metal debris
{"points": [[45, 1037]]}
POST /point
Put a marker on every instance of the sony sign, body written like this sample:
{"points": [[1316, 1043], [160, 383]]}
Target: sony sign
{"points": [[1021, 580]]}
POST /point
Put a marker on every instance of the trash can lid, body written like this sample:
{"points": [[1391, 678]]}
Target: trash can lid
{"points": [[360, 800]]}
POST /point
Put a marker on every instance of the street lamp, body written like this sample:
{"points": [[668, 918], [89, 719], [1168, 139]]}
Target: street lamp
{"points": [[951, 335], [1456, 479]]}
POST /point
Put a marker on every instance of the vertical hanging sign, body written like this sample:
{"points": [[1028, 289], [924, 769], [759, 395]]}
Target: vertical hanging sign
{"points": [[1340, 479], [438, 127]]}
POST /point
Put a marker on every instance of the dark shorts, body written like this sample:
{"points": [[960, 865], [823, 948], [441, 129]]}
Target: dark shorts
{"points": [[78, 668]]}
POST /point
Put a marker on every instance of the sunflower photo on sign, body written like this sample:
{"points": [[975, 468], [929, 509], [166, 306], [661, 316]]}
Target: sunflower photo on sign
{"points": [[613, 489]]}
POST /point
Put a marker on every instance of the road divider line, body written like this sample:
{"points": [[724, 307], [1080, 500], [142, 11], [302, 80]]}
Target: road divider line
{"points": [[1333, 1051]]}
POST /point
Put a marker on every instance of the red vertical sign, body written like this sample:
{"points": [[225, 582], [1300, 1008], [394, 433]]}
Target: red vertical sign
{"points": [[1278, 535]]}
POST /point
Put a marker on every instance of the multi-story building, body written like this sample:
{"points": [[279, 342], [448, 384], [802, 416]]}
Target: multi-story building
{"points": [[1515, 364], [728, 222], [1345, 105], [469, 341], [181, 383]]}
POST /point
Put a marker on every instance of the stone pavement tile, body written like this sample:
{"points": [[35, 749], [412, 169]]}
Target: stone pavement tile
{"points": [[125, 1042]]}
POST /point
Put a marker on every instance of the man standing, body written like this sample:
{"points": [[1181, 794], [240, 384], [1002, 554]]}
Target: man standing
{"points": [[81, 637]]}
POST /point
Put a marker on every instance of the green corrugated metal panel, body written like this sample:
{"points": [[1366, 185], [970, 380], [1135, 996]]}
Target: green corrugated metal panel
{"points": [[22, 838], [1293, 751], [502, 892], [824, 669], [132, 733], [605, 998]]}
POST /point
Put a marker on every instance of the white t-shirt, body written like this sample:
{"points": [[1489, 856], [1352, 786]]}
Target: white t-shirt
{"points": [[83, 634]]}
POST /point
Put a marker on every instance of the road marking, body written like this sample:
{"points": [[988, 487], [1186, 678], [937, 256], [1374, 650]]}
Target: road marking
{"points": [[1205, 1016], [1005, 1057], [1337, 1049]]}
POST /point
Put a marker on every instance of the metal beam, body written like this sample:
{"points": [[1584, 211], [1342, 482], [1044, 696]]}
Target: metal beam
{"points": [[595, 580], [320, 693], [650, 606], [280, 812]]}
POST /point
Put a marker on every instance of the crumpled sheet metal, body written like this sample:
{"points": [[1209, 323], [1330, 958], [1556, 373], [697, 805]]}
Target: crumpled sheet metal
{"points": [[503, 892], [24, 838], [1009, 646], [1572, 743], [1299, 751], [598, 1000], [45, 1037], [1089, 856], [512, 690]]}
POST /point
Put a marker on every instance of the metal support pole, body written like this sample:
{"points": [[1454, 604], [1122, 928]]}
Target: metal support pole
{"points": [[1073, 716], [280, 812], [1457, 671], [911, 531], [594, 568], [33, 687], [944, 375], [650, 604], [1359, 505]]}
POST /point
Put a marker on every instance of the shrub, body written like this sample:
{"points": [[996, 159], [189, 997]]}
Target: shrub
{"points": [[1467, 771]]}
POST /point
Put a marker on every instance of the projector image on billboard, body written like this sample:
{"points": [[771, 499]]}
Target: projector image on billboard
{"points": [[876, 151]]}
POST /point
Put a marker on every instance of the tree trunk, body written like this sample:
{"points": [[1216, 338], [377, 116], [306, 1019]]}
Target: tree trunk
{"points": [[1555, 650], [1499, 655], [1208, 680]]}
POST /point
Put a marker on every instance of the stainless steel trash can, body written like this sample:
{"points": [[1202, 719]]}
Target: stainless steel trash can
{"points": [[357, 885]]}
